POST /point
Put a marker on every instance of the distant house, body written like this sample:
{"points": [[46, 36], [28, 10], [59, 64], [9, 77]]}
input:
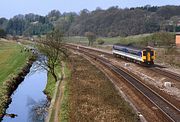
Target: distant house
{"points": [[178, 23], [178, 40], [34, 23]]}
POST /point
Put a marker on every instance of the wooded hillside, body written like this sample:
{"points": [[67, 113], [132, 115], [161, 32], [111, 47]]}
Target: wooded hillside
{"points": [[111, 22]]}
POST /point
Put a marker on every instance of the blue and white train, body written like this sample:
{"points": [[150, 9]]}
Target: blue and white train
{"points": [[145, 55]]}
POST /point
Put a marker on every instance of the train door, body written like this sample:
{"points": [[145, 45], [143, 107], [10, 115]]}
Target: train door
{"points": [[147, 56]]}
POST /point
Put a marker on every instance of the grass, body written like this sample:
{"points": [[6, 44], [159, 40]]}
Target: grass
{"points": [[50, 89], [64, 109], [12, 59], [126, 40], [169, 56], [142, 40], [76, 40], [51, 83], [108, 40], [52, 115]]}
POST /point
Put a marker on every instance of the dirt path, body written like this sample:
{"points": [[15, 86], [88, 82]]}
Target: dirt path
{"points": [[56, 100], [59, 96]]}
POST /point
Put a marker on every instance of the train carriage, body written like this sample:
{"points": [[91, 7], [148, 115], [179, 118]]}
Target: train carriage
{"points": [[145, 55]]}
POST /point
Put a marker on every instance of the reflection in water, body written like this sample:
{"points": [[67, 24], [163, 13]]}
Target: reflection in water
{"points": [[28, 96], [38, 110]]}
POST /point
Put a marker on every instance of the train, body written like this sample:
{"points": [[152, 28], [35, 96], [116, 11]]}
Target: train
{"points": [[139, 55]]}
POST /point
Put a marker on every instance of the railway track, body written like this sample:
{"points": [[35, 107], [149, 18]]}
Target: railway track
{"points": [[156, 68], [169, 111], [168, 74]]}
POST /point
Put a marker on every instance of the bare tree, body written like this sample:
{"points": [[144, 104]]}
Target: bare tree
{"points": [[52, 48], [91, 37]]}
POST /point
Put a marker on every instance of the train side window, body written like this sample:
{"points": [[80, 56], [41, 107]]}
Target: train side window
{"points": [[139, 54]]}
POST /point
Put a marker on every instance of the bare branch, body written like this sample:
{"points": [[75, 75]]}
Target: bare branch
{"points": [[52, 48]]}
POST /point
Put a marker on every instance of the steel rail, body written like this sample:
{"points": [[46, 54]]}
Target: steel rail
{"points": [[168, 74]]}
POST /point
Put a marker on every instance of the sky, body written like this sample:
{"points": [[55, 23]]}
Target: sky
{"points": [[9, 8]]}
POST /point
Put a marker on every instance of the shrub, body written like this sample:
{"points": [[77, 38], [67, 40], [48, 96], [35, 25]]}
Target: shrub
{"points": [[164, 38], [100, 41], [2, 33]]}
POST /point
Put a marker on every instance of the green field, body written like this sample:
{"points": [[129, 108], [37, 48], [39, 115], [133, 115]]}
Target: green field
{"points": [[11, 59], [109, 40], [77, 40], [142, 40]]}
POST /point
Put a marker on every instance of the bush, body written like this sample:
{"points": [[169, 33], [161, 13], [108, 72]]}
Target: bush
{"points": [[2, 33], [164, 38], [100, 41], [157, 39], [112, 34]]}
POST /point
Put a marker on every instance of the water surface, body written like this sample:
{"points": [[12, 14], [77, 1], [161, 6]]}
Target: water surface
{"points": [[29, 92]]}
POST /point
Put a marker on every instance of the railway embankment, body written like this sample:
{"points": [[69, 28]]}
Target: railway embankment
{"points": [[92, 96]]}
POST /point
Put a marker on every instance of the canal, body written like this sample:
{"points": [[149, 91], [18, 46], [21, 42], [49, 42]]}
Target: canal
{"points": [[29, 97]]}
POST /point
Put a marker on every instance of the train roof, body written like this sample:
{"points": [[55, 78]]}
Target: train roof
{"points": [[129, 46], [132, 47]]}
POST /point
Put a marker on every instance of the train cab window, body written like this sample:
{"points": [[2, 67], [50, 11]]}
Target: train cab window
{"points": [[152, 53], [144, 53]]}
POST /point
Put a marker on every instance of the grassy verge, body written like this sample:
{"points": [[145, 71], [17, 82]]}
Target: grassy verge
{"points": [[50, 89], [64, 108], [51, 83], [12, 60]]}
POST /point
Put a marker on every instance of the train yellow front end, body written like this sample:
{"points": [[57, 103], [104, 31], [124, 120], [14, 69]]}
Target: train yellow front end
{"points": [[148, 56]]}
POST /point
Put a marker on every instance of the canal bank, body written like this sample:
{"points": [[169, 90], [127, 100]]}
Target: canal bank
{"points": [[14, 63], [11, 85], [56, 99]]}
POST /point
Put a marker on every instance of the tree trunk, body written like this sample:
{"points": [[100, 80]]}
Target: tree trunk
{"points": [[54, 75]]}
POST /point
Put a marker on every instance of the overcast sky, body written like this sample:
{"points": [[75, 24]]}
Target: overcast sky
{"points": [[9, 8]]}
